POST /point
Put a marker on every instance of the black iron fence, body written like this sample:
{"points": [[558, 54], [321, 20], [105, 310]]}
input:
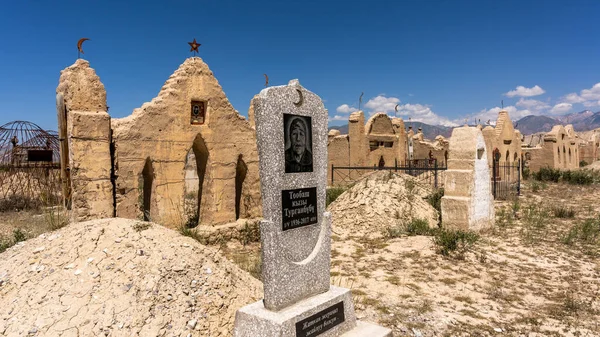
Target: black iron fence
{"points": [[506, 179], [29, 185], [425, 170]]}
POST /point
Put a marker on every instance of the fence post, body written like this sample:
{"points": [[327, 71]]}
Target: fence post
{"points": [[331, 174], [519, 177], [396, 164], [435, 170], [494, 177]]}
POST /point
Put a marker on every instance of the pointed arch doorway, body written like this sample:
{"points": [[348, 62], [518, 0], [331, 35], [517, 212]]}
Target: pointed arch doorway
{"points": [[195, 177]]}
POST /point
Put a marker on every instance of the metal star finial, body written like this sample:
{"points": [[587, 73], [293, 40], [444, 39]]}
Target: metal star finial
{"points": [[194, 46]]}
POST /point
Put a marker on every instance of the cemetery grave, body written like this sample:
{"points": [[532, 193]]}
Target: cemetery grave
{"points": [[264, 254]]}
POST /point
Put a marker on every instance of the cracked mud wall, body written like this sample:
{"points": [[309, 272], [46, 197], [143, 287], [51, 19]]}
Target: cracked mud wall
{"points": [[388, 136], [383, 141], [161, 131], [88, 137]]}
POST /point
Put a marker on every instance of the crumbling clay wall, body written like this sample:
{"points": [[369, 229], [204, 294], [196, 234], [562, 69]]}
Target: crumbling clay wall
{"points": [[384, 144], [589, 146], [508, 140], [88, 135], [154, 144], [338, 153], [503, 137], [424, 149], [559, 150]]}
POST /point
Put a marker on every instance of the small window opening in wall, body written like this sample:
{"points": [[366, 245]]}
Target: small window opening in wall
{"points": [[389, 144], [198, 112], [480, 153]]}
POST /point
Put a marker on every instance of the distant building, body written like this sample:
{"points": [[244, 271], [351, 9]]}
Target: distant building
{"points": [[380, 142], [589, 146], [557, 149], [503, 139]]}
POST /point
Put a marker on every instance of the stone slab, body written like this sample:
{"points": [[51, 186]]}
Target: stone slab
{"points": [[365, 329], [296, 259], [90, 125], [255, 320], [458, 183], [287, 282]]}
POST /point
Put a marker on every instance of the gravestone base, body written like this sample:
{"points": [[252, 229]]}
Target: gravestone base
{"points": [[320, 315]]}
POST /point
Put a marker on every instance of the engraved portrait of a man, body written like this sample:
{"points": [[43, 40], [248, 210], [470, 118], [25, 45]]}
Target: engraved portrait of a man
{"points": [[298, 154]]}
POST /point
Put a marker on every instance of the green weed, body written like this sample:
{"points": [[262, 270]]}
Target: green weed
{"points": [[141, 226], [547, 174], [563, 212], [19, 235], [454, 242], [587, 232], [417, 227], [333, 193], [435, 200]]}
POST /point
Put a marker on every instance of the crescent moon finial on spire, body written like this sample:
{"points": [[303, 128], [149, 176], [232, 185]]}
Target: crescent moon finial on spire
{"points": [[360, 100], [79, 46]]}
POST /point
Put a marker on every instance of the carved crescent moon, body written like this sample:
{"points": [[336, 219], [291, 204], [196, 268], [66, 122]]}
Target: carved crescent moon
{"points": [[396, 108], [299, 103], [79, 43], [266, 80]]}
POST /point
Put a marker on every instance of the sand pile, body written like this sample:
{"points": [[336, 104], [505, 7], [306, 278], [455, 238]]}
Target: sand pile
{"points": [[118, 277], [379, 200], [593, 166]]}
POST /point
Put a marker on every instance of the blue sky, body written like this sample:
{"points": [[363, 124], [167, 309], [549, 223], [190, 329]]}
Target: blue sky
{"points": [[440, 61]]}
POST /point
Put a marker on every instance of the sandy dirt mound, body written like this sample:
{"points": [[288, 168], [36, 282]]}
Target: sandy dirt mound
{"points": [[520, 278], [593, 166], [380, 200], [118, 277]]}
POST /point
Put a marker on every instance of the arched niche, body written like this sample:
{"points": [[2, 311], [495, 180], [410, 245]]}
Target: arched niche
{"points": [[559, 159], [241, 169], [146, 180], [195, 174]]}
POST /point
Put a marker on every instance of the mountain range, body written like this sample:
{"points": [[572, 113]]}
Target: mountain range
{"points": [[582, 121], [429, 131]]}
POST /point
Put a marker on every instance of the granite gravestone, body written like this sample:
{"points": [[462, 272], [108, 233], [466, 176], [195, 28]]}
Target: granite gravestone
{"points": [[291, 131]]}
